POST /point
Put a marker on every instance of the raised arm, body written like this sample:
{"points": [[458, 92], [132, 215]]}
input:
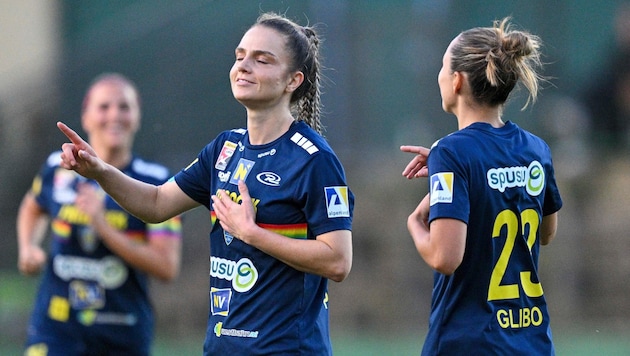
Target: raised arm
{"points": [[148, 202]]}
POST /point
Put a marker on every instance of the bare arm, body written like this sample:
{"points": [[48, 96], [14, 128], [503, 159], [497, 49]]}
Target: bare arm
{"points": [[146, 201], [32, 223], [442, 245], [159, 256], [548, 228], [329, 255]]}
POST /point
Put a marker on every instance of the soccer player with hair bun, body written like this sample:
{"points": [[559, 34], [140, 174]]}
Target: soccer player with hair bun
{"points": [[492, 202]]}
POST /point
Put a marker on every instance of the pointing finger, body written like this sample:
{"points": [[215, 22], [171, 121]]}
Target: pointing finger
{"points": [[70, 134]]}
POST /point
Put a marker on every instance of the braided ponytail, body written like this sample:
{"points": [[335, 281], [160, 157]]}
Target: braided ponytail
{"points": [[308, 103]]}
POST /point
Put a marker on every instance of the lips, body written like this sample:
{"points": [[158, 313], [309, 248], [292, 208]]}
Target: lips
{"points": [[243, 81]]}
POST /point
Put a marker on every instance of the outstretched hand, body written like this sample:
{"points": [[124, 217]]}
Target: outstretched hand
{"points": [[78, 155], [417, 167]]}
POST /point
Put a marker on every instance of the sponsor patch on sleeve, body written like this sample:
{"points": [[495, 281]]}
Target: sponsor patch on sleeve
{"points": [[442, 188], [337, 203]]}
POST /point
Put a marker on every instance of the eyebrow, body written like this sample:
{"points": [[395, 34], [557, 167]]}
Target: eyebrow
{"points": [[256, 52]]}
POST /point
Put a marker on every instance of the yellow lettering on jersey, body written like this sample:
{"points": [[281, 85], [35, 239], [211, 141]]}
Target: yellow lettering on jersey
{"points": [[519, 318], [116, 218], [237, 198], [71, 214]]}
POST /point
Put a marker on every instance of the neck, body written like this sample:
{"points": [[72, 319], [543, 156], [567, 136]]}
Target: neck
{"points": [[265, 127], [489, 115]]}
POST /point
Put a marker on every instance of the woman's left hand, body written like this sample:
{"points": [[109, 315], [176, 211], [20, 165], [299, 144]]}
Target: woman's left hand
{"points": [[237, 219]]}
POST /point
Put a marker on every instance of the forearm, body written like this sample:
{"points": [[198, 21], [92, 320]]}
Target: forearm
{"points": [[31, 223], [160, 260], [319, 256], [137, 197], [421, 237], [150, 203]]}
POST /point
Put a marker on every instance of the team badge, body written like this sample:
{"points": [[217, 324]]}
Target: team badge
{"points": [[243, 168], [88, 239], [442, 188], [227, 237], [224, 156], [337, 202]]}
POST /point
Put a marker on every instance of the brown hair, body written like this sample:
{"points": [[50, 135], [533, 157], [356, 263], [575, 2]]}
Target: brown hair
{"points": [[303, 42], [109, 77], [495, 59]]}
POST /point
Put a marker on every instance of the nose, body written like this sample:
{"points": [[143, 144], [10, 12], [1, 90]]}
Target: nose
{"points": [[243, 65]]}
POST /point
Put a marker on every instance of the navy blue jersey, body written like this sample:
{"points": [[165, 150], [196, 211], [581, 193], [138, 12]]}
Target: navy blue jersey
{"points": [[500, 182], [258, 304], [89, 299]]}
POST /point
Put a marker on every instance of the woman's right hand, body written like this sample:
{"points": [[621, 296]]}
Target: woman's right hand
{"points": [[78, 155]]}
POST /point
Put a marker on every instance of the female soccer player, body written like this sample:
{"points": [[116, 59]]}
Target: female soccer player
{"points": [[94, 297], [492, 202], [280, 206]]}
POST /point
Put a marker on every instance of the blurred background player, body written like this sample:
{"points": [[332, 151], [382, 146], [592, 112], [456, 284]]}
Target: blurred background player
{"points": [[94, 297]]}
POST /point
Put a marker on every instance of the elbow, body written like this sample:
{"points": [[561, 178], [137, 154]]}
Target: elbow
{"points": [[445, 270], [169, 273], [152, 219], [340, 270], [547, 236], [445, 266], [169, 276], [546, 239]]}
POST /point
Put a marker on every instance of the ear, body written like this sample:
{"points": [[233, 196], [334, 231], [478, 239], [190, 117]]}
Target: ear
{"points": [[295, 80], [458, 82]]}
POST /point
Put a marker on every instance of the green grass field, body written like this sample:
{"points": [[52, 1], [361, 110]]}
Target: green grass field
{"points": [[16, 295]]}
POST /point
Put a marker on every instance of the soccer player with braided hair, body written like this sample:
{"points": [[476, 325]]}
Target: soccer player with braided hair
{"points": [[280, 206], [492, 202]]}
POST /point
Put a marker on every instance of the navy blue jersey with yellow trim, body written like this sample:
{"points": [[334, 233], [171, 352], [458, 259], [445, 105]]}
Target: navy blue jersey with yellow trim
{"points": [[89, 299], [500, 182], [258, 304]]}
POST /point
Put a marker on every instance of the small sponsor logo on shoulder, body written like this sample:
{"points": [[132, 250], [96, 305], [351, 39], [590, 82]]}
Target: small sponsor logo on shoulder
{"points": [[337, 202], [442, 187]]}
